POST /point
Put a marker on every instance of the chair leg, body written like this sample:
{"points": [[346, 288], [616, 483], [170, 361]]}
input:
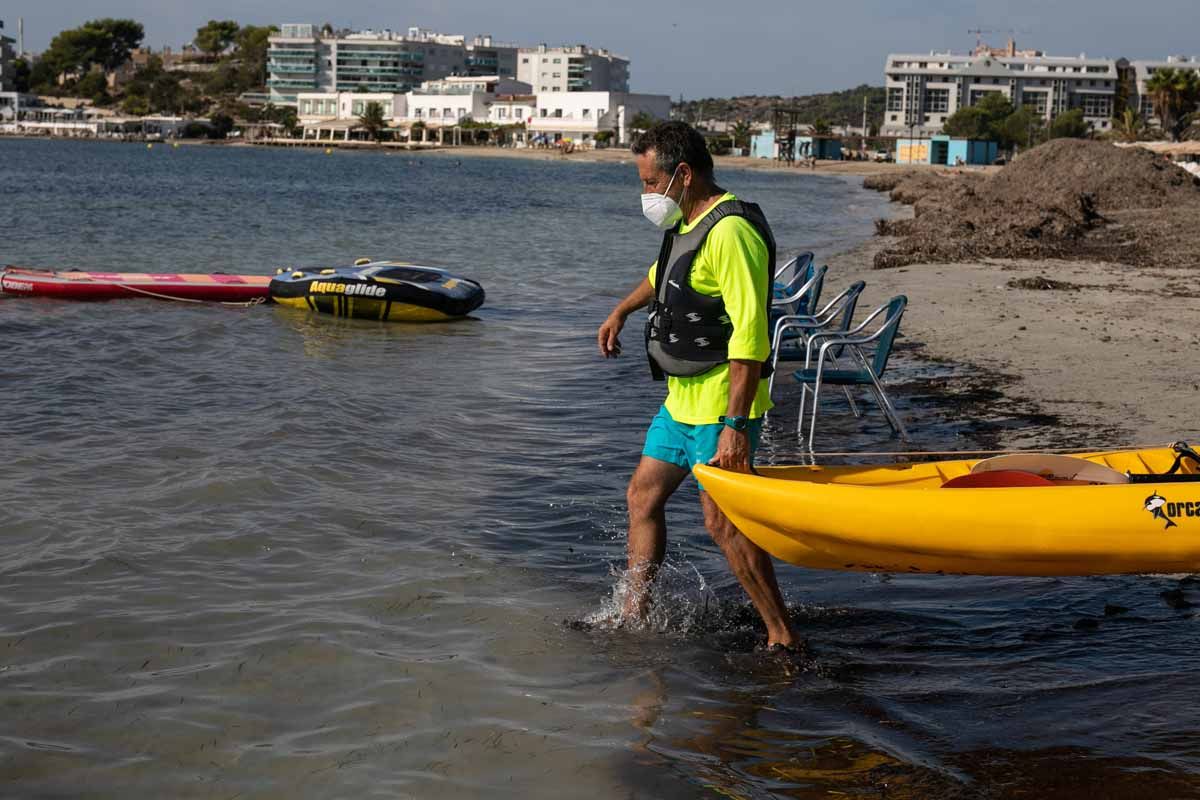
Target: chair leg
{"points": [[889, 411], [812, 422], [800, 416]]}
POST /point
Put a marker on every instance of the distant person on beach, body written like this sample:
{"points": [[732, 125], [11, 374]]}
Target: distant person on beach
{"points": [[709, 293]]}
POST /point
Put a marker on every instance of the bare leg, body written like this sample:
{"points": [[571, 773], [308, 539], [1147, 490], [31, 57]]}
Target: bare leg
{"points": [[753, 569], [653, 482]]}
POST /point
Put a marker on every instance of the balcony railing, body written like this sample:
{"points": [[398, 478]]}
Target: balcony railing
{"points": [[287, 51], [292, 69], [289, 83], [344, 69], [372, 86], [403, 55]]}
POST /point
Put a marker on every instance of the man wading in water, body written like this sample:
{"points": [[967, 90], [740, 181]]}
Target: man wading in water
{"points": [[707, 334]]}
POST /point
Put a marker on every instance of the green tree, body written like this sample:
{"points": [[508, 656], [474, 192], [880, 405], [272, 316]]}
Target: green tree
{"points": [[93, 86], [821, 127], [160, 91], [980, 121], [252, 45], [106, 42], [372, 120], [216, 36], [222, 124], [642, 121], [417, 127], [1129, 127], [21, 75], [1174, 94], [135, 105], [1022, 128], [741, 133], [1069, 125]]}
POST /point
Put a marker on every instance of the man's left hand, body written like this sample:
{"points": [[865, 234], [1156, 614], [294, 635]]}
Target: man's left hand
{"points": [[733, 451]]}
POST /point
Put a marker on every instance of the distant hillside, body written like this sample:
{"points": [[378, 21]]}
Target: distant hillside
{"points": [[838, 108]]}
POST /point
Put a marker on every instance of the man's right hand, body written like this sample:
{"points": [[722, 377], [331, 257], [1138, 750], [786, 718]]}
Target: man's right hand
{"points": [[606, 337]]}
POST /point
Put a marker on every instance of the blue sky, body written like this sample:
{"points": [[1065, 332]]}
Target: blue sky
{"points": [[702, 48]]}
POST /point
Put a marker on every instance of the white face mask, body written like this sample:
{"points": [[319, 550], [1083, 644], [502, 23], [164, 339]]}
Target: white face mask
{"points": [[661, 209]]}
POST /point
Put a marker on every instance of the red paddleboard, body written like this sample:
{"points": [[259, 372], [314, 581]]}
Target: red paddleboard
{"points": [[77, 285]]}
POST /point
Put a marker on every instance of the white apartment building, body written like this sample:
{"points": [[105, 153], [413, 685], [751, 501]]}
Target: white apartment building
{"points": [[312, 106], [1143, 71], [923, 90], [303, 58], [548, 116], [513, 109], [575, 68], [579, 116], [444, 102]]}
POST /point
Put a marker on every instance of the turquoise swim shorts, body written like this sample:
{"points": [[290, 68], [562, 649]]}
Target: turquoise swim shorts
{"points": [[688, 445]]}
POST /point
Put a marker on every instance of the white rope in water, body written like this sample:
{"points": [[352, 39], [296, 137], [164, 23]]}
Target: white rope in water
{"points": [[247, 303]]}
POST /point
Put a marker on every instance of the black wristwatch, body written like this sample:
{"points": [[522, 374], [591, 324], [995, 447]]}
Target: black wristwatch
{"points": [[737, 423]]}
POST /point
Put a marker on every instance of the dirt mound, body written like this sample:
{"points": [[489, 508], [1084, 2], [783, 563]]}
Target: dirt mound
{"points": [[1118, 178], [1067, 199]]}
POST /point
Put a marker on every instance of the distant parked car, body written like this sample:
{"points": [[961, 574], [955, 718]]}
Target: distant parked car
{"points": [[881, 155]]}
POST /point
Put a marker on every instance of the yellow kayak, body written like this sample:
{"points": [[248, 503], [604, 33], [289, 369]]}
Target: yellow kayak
{"points": [[899, 518]]}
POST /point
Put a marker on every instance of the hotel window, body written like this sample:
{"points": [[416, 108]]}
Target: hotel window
{"points": [[1097, 106], [524, 60], [502, 113], [587, 113], [418, 112], [1038, 102], [306, 106], [556, 75], [544, 112], [358, 107], [558, 61], [895, 99], [937, 100], [447, 112], [600, 112], [979, 94]]}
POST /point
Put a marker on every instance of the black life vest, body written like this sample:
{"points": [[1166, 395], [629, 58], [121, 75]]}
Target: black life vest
{"points": [[687, 333]]}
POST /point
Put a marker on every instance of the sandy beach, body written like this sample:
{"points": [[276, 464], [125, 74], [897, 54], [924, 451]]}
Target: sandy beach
{"points": [[1115, 356]]}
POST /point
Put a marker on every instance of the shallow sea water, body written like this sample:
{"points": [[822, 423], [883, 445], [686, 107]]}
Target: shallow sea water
{"points": [[250, 552]]}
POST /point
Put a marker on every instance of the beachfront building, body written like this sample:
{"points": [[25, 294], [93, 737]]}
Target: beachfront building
{"points": [[513, 109], [924, 90], [448, 101], [579, 116], [303, 58], [1143, 71], [13, 105], [575, 68], [945, 151], [549, 117]]}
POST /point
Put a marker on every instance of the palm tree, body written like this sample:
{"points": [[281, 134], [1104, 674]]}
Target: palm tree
{"points": [[741, 133], [1174, 94], [821, 127], [372, 120], [1129, 127]]}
